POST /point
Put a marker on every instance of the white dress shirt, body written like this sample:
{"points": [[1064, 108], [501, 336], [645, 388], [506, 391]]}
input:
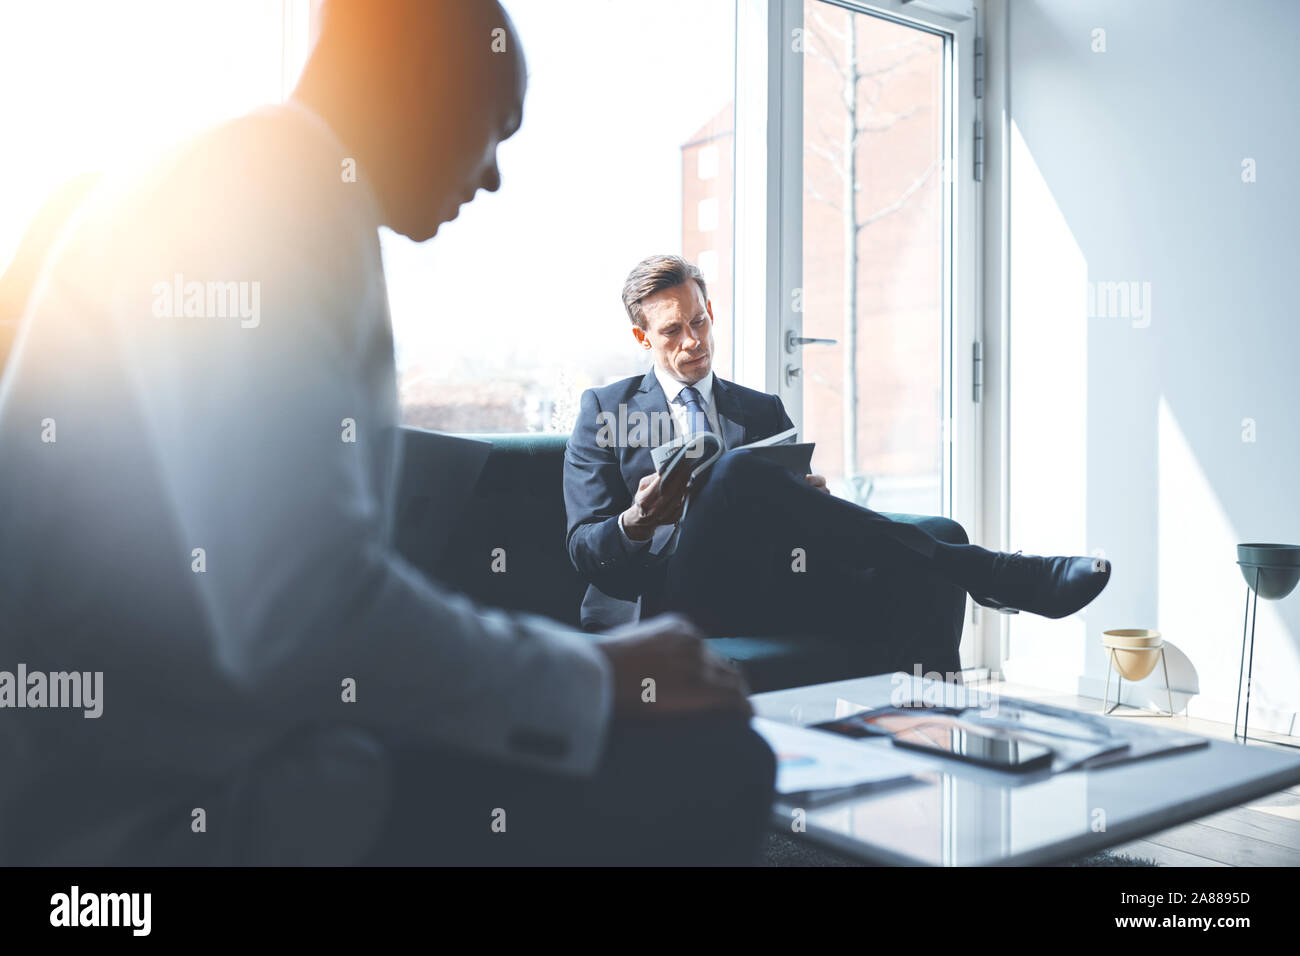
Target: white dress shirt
{"points": [[672, 388], [211, 527], [681, 414]]}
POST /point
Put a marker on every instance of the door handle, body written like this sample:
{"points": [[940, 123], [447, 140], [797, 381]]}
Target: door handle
{"points": [[793, 341]]}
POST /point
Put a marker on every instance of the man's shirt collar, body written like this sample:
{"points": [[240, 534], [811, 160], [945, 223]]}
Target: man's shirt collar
{"points": [[672, 387]]}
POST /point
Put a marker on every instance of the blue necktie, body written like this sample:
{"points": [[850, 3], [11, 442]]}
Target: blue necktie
{"points": [[698, 421]]}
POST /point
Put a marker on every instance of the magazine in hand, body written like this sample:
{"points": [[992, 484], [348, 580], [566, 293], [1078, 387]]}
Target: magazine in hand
{"points": [[700, 451]]}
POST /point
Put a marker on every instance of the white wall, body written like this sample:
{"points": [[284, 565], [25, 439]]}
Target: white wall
{"points": [[1127, 431]]}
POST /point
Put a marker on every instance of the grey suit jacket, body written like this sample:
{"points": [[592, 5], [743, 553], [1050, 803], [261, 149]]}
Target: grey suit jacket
{"points": [[197, 501], [601, 478]]}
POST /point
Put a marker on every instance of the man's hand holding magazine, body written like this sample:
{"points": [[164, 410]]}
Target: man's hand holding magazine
{"points": [[657, 502]]}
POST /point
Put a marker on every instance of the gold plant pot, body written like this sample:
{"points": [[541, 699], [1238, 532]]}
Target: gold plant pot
{"points": [[1135, 651]]}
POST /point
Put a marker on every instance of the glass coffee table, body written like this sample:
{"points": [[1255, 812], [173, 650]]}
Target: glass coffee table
{"points": [[951, 813]]}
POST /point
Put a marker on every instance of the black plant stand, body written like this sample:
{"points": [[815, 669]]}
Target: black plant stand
{"points": [[1252, 612]]}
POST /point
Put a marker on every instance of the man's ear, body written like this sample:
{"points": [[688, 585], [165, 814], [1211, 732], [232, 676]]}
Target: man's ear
{"points": [[638, 333], [708, 304]]}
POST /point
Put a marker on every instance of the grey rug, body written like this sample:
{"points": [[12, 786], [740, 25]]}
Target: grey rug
{"points": [[781, 850]]}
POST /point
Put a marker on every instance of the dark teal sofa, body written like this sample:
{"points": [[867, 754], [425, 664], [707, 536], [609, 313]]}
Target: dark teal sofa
{"points": [[518, 505]]}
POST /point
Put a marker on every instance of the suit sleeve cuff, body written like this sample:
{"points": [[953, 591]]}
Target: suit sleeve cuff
{"points": [[586, 702], [632, 547]]}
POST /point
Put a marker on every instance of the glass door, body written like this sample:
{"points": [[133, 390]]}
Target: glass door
{"points": [[875, 223], [878, 344]]}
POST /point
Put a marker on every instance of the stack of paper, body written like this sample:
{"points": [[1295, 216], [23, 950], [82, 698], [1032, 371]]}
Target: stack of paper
{"points": [[1080, 740], [810, 760]]}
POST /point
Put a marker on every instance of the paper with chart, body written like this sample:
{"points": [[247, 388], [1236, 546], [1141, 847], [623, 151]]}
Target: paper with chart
{"points": [[809, 760]]}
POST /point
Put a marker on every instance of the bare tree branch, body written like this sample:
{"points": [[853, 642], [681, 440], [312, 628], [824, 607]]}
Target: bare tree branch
{"points": [[875, 97], [826, 55], [884, 70], [826, 58], [821, 21], [812, 191], [898, 203], [818, 117], [836, 161], [893, 120], [919, 43], [824, 381]]}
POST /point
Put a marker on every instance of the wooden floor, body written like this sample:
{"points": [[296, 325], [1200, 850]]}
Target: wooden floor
{"points": [[1265, 832]]}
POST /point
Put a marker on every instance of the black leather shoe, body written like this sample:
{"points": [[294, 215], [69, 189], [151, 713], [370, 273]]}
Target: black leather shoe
{"points": [[1053, 587]]}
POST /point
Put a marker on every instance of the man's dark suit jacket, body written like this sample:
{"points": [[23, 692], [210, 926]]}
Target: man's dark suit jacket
{"points": [[601, 479]]}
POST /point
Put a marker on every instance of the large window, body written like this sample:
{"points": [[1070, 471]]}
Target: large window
{"points": [[626, 149], [89, 84], [631, 145]]}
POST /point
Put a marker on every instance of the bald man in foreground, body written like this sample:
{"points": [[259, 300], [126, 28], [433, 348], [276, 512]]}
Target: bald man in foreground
{"points": [[199, 430]]}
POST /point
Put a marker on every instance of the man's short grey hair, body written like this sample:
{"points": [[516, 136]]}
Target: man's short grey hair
{"points": [[654, 274]]}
